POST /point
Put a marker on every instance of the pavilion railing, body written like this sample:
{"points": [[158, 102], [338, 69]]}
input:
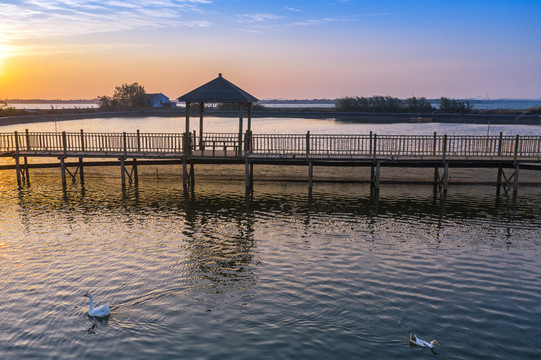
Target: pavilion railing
{"points": [[215, 143], [303, 145]]}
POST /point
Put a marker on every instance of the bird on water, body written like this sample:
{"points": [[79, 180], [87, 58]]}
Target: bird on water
{"points": [[414, 340], [100, 311]]}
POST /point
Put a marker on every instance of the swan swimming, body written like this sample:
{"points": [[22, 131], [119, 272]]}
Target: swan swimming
{"points": [[100, 311], [420, 342]]}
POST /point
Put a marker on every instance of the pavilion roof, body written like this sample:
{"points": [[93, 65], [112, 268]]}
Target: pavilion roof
{"points": [[218, 90]]}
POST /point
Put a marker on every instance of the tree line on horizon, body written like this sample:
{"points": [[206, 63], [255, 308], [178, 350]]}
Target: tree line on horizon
{"points": [[133, 96], [390, 104]]}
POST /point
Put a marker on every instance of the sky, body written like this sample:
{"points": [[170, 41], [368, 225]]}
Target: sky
{"points": [[292, 49]]}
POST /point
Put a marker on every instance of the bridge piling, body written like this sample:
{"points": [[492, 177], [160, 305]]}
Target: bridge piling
{"points": [[184, 175], [63, 172], [123, 172], [81, 171], [310, 174]]}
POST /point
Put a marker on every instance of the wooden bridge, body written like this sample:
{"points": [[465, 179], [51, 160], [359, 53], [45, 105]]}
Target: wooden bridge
{"points": [[370, 150]]}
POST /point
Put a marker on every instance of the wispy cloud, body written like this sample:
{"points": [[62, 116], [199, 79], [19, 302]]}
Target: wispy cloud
{"points": [[34, 19], [257, 18], [292, 9], [259, 23]]}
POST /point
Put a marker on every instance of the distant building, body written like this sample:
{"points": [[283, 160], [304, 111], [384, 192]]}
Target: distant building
{"points": [[157, 100]]}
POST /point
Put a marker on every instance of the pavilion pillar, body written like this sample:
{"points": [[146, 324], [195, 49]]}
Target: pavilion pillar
{"points": [[186, 142], [241, 106], [249, 116], [248, 140], [187, 127]]}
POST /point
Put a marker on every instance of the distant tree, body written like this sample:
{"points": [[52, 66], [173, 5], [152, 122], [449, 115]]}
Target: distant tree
{"points": [[125, 97], [452, 106], [534, 111], [382, 104], [417, 105]]}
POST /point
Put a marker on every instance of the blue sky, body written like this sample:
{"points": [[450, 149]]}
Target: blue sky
{"points": [[282, 49]]}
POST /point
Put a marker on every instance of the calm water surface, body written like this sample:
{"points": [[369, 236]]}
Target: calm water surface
{"points": [[272, 126], [214, 274]]}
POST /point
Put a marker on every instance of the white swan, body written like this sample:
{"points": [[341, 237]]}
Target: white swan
{"points": [[100, 311], [420, 342]]}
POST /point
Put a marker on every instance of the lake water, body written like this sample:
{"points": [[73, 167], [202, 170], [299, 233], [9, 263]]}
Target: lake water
{"points": [[476, 103], [281, 274]]}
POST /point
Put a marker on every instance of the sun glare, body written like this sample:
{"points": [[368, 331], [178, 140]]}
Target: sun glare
{"points": [[4, 53]]}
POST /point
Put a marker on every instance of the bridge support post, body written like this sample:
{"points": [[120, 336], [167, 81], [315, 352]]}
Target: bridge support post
{"points": [[184, 175], [499, 180], [18, 170], [81, 171], [26, 171], [515, 182], [17, 164], [123, 172], [248, 169], [446, 177], [506, 183], [310, 175], [375, 175], [436, 179], [441, 183], [135, 172], [63, 171], [192, 175]]}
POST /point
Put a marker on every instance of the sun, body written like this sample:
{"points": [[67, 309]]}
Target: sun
{"points": [[5, 51]]}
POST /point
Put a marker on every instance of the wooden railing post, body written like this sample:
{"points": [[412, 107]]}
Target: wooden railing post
{"points": [[125, 143], [17, 164], [370, 148], [27, 139], [138, 141], [375, 146], [65, 143], [500, 140], [434, 144], [516, 148], [307, 144], [82, 141], [444, 150]]}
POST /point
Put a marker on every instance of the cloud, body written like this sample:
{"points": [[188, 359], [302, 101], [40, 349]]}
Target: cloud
{"points": [[292, 9], [35, 19], [262, 23], [257, 18]]}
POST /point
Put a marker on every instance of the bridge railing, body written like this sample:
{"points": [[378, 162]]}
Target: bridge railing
{"points": [[308, 145], [91, 142]]}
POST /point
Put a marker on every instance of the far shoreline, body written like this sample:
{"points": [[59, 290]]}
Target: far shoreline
{"points": [[359, 117]]}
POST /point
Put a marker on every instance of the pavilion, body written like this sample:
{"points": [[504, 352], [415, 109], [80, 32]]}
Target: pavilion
{"points": [[215, 91]]}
